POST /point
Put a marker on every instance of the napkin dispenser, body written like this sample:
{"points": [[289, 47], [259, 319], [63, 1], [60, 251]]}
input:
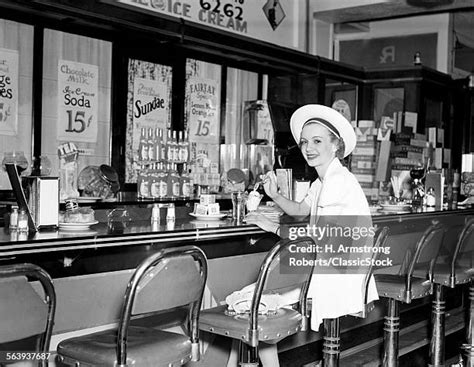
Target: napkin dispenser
{"points": [[43, 200]]}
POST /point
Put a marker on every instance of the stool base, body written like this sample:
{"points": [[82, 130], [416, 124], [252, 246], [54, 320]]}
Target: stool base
{"points": [[331, 344]]}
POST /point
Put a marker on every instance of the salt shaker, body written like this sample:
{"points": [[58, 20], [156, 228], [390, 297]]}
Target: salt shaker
{"points": [[22, 221], [155, 213]]}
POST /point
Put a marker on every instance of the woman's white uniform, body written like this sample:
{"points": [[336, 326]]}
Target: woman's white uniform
{"points": [[335, 295]]}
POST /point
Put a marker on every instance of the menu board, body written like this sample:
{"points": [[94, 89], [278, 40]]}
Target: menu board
{"points": [[78, 90], [8, 91]]}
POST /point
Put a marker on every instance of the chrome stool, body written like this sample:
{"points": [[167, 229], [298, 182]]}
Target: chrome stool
{"points": [[451, 274], [169, 279], [406, 287], [331, 337], [23, 313], [252, 328]]}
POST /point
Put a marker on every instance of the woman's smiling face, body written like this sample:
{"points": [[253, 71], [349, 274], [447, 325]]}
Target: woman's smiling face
{"points": [[317, 146]]}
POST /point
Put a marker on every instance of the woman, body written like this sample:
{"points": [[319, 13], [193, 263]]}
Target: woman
{"points": [[324, 136]]}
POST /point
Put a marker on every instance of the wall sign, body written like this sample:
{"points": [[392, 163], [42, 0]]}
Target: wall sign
{"points": [[203, 123], [390, 51], [77, 101], [150, 105], [8, 91], [268, 20]]}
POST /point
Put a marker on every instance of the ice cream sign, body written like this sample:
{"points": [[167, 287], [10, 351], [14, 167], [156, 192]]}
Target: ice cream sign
{"points": [[268, 20], [228, 14]]}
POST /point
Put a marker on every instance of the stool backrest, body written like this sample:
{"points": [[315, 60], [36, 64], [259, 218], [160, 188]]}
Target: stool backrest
{"points": [[380, 240], [22, 311], [465, 243], [426, 253], [270, 278], [169, 278]]}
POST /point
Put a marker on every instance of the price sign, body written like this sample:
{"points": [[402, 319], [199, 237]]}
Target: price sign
{"points": [[77, 101], [203, 113], [8, 91]]}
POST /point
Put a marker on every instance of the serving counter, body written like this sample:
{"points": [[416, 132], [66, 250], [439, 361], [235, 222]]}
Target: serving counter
{"points": [[85, 264]]}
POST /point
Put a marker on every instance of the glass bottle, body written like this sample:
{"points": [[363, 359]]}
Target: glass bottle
{"points": [[143, 146], [169, 147], [184, 147], [185, 183], [22, 221], [151, 145], [162, 145], [14, 218], [174, 148], [163, 181], [173, 182], [157, 144], [154, 182]]}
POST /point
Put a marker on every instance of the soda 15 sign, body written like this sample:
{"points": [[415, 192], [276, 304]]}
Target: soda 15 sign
{"points": [[77, 101]]}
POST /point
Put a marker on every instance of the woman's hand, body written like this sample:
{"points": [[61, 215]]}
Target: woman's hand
{"points": [[262, 221], [270, 184]]}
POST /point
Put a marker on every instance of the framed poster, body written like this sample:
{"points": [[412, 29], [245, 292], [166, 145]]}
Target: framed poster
{"points": [[8, 91], [78, 90]]}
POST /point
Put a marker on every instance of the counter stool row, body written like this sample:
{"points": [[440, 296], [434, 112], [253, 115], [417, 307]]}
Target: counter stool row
{"points": [[181, 273]]}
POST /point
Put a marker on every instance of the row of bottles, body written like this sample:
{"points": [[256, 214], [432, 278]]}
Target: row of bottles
{"points": [[160, 181], [154, 148]]}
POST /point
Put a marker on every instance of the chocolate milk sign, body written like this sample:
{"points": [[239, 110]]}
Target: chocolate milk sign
{"points": [[223, 14]]}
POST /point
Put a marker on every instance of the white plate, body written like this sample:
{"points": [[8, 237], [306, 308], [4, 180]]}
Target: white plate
{"points": [[395, 207], [76, 226], [208, 217], [88, 199]]}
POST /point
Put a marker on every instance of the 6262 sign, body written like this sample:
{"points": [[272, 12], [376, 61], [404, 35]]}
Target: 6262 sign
{"points": [[229, 10]]}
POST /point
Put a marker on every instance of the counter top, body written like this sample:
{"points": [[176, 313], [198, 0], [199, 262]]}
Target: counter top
{"points": [[103, 234]]}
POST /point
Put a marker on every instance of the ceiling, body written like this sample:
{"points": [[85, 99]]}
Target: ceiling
{"points": [[389, 9]]}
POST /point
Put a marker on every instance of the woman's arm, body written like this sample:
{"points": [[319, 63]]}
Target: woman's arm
{"points": [[290, 207]]}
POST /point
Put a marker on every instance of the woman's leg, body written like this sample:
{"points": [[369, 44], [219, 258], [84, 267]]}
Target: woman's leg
{"points": [[268, 354]]}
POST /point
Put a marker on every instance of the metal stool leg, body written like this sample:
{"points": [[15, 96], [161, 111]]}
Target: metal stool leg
{"points": [[468, 348], [248, 356], [438, 331], [391, 334], [331, 343]]}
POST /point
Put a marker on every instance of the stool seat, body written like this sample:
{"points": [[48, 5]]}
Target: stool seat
{"points": [[271, 327], [442, 275], [393, 286], [145, 347]]}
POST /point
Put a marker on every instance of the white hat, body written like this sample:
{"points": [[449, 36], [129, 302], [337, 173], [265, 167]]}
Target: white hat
{"points": [[330, 118]]}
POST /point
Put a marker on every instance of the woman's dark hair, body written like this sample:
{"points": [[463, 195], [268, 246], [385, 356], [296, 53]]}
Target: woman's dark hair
{"points": [[340, 146]]}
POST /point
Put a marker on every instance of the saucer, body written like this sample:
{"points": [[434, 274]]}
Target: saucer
{"points": [[208, 216]]}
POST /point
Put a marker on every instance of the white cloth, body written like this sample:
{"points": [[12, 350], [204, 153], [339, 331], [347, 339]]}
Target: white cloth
{"points": [[335, 295], [240, 301]]}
